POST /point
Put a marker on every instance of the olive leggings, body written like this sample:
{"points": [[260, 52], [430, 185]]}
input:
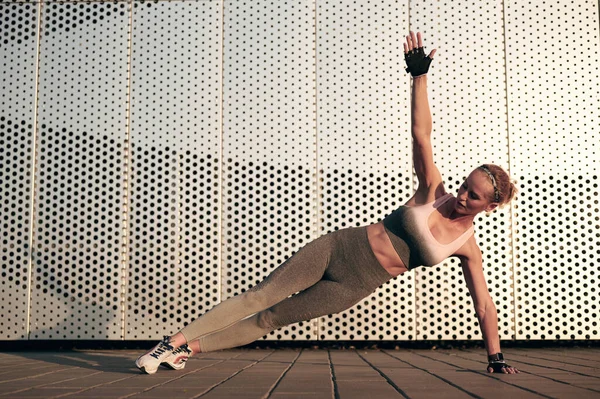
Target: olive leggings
{"points": [[332, 273]]}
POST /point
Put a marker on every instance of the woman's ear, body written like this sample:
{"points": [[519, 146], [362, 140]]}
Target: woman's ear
{"points": [[492, 207]]}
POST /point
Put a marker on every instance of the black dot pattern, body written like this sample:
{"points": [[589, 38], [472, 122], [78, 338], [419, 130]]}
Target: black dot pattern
{"points": [[174, 246], [353, 199], [170, 154], [60, 18], [468, 105], [559, 257], [174, 221], [200, 229], [269, 98], [269, 144], [16, 141], [269, 215], [364, 148], [554, 135], [18, 24], [76, 273], [77, 282], [18, 45]]}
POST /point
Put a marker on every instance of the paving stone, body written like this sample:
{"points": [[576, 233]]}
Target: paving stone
{"points": [[548, 372], [258, 379], [103, 392], [413, 382], [525, 362], [561, 356], [309, 376], [44, 392], [367, 389], [538, 379], [466, 375]]}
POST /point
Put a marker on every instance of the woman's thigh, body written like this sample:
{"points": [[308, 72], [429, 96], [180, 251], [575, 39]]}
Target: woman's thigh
{"points": [[323, 298], [305, 268]]}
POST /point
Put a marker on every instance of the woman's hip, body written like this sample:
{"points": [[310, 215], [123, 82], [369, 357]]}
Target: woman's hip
{"points": [[353, 260]]}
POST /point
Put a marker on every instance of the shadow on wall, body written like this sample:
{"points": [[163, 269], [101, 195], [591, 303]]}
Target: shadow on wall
{"points": [[77, 268]]}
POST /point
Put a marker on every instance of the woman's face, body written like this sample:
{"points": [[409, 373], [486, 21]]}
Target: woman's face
{"points": [[473, 195]]}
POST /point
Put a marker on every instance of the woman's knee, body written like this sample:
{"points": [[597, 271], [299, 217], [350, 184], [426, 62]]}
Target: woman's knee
{"points": [[255, 300], [266, 321]]}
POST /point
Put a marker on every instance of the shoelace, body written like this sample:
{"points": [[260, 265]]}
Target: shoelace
{"points": [[162, 347], [183, 349]]}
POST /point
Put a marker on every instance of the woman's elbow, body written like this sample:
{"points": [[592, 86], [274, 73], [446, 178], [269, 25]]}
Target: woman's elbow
{"points": [[485, 307], [421, 130]]}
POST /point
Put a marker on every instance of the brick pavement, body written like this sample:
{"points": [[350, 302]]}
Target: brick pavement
{"points": [[304, 373]]}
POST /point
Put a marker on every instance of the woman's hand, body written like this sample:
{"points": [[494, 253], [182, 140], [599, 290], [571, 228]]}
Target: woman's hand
{"points": [[496, 364], [505, 369], [414, 55]]}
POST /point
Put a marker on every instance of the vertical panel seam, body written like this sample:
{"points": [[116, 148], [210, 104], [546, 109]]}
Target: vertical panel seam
{"points": [[316, 108], [220, 156], [127, 180], [33, 171], [512, 208]]}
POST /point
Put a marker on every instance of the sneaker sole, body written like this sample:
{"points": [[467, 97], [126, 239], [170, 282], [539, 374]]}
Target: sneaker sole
{"points": [[143, 369], [172, 367]]}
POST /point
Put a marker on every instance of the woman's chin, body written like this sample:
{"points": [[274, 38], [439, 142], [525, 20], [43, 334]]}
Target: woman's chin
{"points": [[459, 208]]}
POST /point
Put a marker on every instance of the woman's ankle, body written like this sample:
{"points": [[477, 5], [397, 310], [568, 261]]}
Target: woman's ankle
{"points": [[177, 340], [195, 347]]}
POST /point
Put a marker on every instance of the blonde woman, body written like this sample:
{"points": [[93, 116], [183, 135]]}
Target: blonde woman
{"points": [[339, 269]]}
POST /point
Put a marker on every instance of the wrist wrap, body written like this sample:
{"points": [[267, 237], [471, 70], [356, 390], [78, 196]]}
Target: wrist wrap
{"points": [[496, 362], [496, 357]]}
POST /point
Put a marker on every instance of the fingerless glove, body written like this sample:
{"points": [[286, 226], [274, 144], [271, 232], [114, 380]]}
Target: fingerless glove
{"points": [[496, 362], [416, 61]]}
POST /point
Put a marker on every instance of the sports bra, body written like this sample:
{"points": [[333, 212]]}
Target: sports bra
{"points": [[412, 239]]}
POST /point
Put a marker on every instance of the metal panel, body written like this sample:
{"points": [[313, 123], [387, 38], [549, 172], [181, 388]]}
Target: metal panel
{"points": [[314, 137], [18, 54], [364, 139], [175, 144], [269, 182], [468, 105], [553, 90], [77, 273]]}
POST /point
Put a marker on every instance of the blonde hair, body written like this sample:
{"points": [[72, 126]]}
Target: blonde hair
{"points": [[505, 188]]}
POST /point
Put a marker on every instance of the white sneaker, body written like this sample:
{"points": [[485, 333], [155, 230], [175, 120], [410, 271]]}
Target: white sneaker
{"points": [[149, 362], [177, 358]]}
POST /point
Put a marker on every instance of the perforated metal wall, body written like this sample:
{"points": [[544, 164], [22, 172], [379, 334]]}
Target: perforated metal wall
{"points": [[82, 93], [174, 191], [554, 124], [269, 151], [163, 156], [18, 54], [470, 128], [363, 145]]}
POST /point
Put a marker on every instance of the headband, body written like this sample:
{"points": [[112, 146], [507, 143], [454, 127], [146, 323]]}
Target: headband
{"points": [[493, 179]]}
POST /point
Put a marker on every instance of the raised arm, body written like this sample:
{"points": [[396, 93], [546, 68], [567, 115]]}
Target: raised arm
{"points": [[485, 310], [429, 177], [430, 180]]}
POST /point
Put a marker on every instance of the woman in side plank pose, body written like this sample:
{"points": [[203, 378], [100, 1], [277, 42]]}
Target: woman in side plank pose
{"points": [[337, 270]]}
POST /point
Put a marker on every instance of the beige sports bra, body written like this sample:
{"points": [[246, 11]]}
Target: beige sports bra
{"points": [[412, 239]]}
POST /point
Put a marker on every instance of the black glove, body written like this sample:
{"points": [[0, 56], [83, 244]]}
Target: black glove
{"points": [[496, 362], [416, 61]]}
